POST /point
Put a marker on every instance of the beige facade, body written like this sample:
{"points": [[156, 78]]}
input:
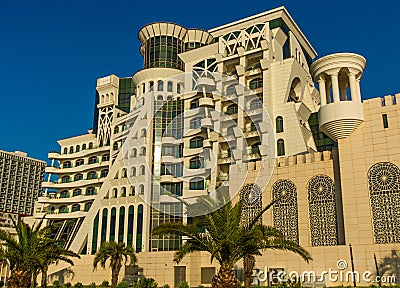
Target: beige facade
{"points": [[233, 108]]}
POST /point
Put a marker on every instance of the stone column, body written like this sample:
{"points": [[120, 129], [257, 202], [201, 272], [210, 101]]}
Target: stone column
{"points": [[335, 87], [353, 87], [322, 91]]}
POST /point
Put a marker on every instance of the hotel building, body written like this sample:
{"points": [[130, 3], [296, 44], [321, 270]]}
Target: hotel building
{"points": [[247, 108]]}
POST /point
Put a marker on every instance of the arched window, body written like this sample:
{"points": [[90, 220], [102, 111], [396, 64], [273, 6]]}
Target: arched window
{"points": [[295, 90], [133, 171], [178, 88], [67, 164], [65, 179], [90, 191], [63, 209], [285, 210], [71, 149], [250, 196], [143, 151], [65, 150], [121, 224], [256, 83], [169, 86], [124, 173], [78, 177], [255, 148], [77, 148], [169, 97], [76, 207], [90, 145], [160, 98], [279, 124], [114, 193], [93, 160], [230, 90], [160, 85], [195, 123], [51, 209], [77, 192], [194, 103], [144, 132], [141, 189], [123, 192], [196, 142], [104, 173], [116, 129], [151, 86], [131, 214], [384, 190], [139, 229], [105, 157], [87, 206], [83, 146], [104, 225], [115, 146], [281, 147], [196, 163], [92, 175], [79, 162], [142, 170], [232, 109], [134, 152], [64, 194], [113, 219], [143, 88], [196, 184], [322, 209], [255, 104]]}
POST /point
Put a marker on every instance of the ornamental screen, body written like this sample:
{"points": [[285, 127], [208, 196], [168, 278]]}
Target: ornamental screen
{"points": [[322, 209], [285, 210], [384, 189], [250, 195]]}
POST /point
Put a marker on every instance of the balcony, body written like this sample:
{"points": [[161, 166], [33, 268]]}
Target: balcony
{"points": [[206, 102], [251, 153]]}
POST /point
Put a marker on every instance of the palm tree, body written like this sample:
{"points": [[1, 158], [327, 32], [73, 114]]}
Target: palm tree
{"points": [[222, 234], [28, 251], [117, 253]]}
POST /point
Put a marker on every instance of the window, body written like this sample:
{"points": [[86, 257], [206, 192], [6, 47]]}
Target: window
{"points": [[133, 191], [195, 123], [87, 206], [121, 224], [116, 129], [230, 131], [151, 86], [84, 147], [63, 209], [169, 97], [79, 162], [172, 169], [196, 142], [142, 170], [78, 177], [114, 193], [65, 150], [385, 121], [143, 88], [92, 175], [281, 147], [76, 207], [144, 132], [171, 188], [105, 157], [255, 104], [115, 146], [124, 173], [134, 152], [256, 83], [113, 219], [77, 192], [160, 98], [141, 189], [71, 149], [133, 171], [64, 194], [196, 184], [143, 151], [104, 173], [90, 191], [279, 124], [93, 160], [194, 103], [255, 148], [77, 148], [160, 85], [169, 86], [65, 179], [123, 192], [231, 90], [90, 145], [196, 163], [232, 109], [67, 164]]}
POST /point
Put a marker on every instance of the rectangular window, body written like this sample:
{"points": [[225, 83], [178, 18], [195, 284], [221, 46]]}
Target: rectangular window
{"points": [[385, 121]]}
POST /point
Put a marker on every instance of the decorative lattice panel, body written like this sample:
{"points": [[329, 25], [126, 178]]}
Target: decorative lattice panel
{"points": [[322, 209], [384, 189], [250, 195], [285, 210]]}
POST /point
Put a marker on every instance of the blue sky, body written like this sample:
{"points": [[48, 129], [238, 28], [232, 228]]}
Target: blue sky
{"points": [[52, 52]]}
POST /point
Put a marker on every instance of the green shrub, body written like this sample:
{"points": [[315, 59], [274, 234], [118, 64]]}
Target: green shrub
{"points": [[166, 286], [183, 284], [200, 286], [78, 285], [123, 285], [67, 285], [1, 283], [146, 283], [93, 285], [56, 284], [105, 283]]}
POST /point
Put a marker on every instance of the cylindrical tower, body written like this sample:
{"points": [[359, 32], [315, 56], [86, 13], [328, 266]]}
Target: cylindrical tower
{"points": [[338, 76]]}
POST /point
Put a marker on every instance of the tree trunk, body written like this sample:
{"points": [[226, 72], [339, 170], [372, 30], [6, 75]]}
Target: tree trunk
{"points": [[34, 278], [44, 277], [248, 265], [224, 279], [114, 277], [19, 279]]}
